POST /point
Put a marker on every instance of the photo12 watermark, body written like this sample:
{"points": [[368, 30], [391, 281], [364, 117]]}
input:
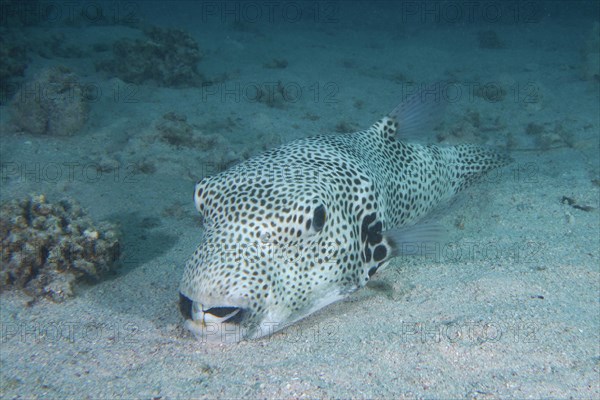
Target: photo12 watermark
{"points": [[69, 172], [467, 332], [470, 12], [69, 332], [269, 12], [470, 92], [208, 332], [69, 92], [270, 92], [31, 13], [526, 251]]}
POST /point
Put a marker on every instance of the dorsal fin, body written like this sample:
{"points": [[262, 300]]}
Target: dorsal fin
{"points": [[419, 114]]}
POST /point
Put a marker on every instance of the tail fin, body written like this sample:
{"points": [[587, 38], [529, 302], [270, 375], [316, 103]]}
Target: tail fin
{"points": [[471, 162]]}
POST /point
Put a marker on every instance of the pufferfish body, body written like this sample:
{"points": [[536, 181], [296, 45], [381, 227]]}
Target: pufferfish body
{"points": [[307, 223]]}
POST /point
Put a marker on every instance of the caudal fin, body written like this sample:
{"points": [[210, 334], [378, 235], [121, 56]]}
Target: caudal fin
{"points": [[470, 163]]}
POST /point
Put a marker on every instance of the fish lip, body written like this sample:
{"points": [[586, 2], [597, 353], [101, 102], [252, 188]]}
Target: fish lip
{"points": [[193, 307], [224, 314], [218, 325], [214, 321]]}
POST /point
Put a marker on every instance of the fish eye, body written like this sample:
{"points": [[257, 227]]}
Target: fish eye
{"points": [[319, 218]]}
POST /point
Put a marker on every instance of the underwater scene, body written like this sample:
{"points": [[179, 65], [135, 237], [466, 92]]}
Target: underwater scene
{"points": [[299, 199]]}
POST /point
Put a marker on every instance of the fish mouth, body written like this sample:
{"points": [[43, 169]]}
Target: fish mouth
{"points": [[221, 323], [223, 314]]}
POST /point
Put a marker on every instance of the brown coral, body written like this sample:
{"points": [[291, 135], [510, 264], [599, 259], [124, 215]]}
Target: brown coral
{"points": [[167, 57], [46, 247], [54, 103]]}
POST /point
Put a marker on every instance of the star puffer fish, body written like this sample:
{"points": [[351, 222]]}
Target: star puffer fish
{"points": [[305, 224]]}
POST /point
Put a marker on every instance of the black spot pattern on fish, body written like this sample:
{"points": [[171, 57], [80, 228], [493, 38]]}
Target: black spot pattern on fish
{"points": [[308, 219]]}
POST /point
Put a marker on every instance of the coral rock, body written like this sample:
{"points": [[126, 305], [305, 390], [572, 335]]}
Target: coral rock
{"points": [[167, 57], [53, 104], [46, 247]]}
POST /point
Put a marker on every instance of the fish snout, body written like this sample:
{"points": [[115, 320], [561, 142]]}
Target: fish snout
{"points": [[222, 323]]}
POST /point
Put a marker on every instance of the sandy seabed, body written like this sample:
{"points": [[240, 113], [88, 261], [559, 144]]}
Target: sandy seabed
{"points": [[510, 310]]}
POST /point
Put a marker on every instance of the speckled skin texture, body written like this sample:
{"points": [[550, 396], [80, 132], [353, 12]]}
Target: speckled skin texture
{"points": [[307, 223]]}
